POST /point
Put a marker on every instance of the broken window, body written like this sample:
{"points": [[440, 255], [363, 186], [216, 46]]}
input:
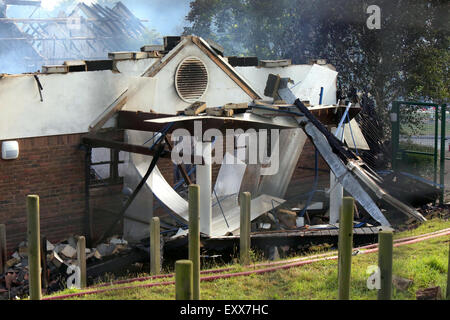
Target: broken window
{"points": [[107, 166]]}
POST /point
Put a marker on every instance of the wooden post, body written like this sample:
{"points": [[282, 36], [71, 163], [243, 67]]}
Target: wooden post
{"points": [[345, 247], [34, 251], [448, 276], [3, 254], [245, 228], [385, 247], [194, 236], [183, 280], [81, 255], [155, 246]]}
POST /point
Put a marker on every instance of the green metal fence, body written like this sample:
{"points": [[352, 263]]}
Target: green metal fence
{"points": [[419, 133]]}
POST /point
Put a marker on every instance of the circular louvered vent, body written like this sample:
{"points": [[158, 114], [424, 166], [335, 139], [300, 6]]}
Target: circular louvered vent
{"points": [[191, 79]]}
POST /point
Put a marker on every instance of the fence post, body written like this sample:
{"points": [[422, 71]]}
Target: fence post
{"points": [[81, 255], [385, 248], [245, 228], [155, 246], [345, 244], [183, 280], [3, 254], [34, 251], [442, 164], [194, 236], [448, 275]]}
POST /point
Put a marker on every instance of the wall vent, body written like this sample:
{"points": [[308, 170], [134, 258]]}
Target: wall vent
{"points": [[191, 79]]}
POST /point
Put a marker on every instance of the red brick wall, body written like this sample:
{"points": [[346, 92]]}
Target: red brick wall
{"points": [[53, 168]]}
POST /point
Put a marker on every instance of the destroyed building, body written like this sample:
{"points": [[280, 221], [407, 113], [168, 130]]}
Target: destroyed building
{"points": [[81, 135], [85, 32]]}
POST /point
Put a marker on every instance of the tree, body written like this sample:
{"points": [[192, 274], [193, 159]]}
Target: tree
{"points": [[407, 58]]}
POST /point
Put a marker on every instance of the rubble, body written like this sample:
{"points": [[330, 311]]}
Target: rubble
{"points": [[60, 258], [400, 283], [434, 293], [69, 251], [287, 218]]}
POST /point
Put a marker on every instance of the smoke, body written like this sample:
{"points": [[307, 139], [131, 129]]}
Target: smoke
{"points": [[167, 17], [50, 5]]}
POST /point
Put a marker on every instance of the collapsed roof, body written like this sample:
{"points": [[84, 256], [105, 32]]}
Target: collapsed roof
{"points": [[87, 32]]}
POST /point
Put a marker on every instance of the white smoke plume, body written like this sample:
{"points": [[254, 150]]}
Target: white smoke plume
{"points": [[51, 4]]}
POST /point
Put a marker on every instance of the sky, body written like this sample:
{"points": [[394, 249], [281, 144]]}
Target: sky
{"points": [[165, 16]]}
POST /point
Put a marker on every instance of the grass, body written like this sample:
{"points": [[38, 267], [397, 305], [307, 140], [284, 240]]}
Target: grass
{"points": [[425, 263]]}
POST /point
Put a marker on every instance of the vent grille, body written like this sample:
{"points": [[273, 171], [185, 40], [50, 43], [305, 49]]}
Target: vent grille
{"points": [[191, 79]]}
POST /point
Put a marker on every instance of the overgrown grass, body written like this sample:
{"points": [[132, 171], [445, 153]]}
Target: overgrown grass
{"points": [[425, 263]]}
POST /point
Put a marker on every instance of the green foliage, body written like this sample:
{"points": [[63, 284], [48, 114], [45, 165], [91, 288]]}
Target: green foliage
{"points": [[407, 58]]}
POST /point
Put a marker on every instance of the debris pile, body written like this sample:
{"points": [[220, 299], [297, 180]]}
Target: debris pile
{"points": [[57, 268]]}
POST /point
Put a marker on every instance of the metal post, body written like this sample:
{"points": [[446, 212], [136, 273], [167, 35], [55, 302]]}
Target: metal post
{"points": [[345, 247], [442, 167], [194, 236], [245, 228], [155, 246], [81, 256], [34, 251], [3, 255], [183, 280], [385, 247], [436, 143]]}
